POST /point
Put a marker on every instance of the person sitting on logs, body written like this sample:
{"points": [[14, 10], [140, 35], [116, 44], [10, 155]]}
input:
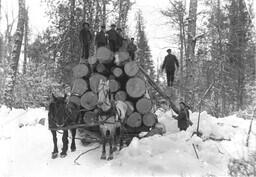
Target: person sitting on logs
{"points": [[183, 118], [101, 39], [85, 38], [170, 61], [131, 48], [112, 38]]}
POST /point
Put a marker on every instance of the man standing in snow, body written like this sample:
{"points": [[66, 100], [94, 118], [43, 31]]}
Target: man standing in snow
{"points": [[183, 117], [169, 65], [85, 37]]}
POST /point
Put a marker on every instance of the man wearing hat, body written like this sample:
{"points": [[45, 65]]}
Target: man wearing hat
{"points": [[85, 37], [170, 63], [120, 38], [101, 39], [131, 48], [112, 38], [183, 118]]}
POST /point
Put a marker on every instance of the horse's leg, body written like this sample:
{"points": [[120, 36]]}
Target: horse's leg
{"points": [[121, 139], [73, 144], [111, 141], [55, 149], [65, 143], [103, 154]]}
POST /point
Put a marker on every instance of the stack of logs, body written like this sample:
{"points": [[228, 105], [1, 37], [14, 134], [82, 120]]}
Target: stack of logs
{"points": [[125, 82]]}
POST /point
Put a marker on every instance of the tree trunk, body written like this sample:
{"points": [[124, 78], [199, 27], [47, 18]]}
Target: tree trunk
{"points": [[131, 68], [144, 105], [190, 54], [136, 87], [149, 119], [89, 100], [25, 43], [134, 120], [121, 95], [79, 87], [13, 68], [80, 70]]}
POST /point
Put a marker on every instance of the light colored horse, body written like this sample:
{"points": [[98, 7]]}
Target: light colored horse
{"points": [[111, 115]]}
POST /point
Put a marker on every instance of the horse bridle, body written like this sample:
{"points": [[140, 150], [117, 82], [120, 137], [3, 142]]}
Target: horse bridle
{"points": [[66, 117]]}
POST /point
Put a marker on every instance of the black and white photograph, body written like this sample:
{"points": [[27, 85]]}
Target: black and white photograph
{"points": [[127, 88]]}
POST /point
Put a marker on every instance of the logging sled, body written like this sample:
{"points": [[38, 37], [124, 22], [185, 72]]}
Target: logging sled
{"points": [[127, 83]]}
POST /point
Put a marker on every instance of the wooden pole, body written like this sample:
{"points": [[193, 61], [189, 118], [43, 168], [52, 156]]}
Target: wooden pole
{"points": [[250, 128], [200, 104]]}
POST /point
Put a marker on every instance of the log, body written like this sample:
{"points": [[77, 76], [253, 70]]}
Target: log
{"points": [[144, 105], [75, 99], [80, 70], [120, 95], [118, 72], [94, 81], [135, 87], [130, 108], [131, 68], [90, 118], [79, 87], [134, 120], [89, 100], [92, 60], [149, 119], [100, 68], [114, 86], [104, 55], [121, 57]]}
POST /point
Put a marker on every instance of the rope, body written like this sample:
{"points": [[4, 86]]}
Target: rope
{"points": [[75, 161]]}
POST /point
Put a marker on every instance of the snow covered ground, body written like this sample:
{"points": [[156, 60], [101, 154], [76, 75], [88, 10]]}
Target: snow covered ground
{"points": [[26, 146]]}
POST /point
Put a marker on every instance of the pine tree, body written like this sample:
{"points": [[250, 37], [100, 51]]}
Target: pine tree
{"points": [[144, 54]]}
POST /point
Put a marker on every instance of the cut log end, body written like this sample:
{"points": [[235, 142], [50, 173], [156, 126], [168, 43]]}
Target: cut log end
{"points": [[89, 100], [79, 87], [134, 120], [144, 105], [136, 87], [149, 119]]}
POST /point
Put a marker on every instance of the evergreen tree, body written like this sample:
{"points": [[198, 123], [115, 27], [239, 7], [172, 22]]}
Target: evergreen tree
{"points": [[144, 54]]}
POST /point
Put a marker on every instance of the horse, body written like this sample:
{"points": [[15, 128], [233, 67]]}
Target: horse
{"points": [[111, 116], [62, 113]]}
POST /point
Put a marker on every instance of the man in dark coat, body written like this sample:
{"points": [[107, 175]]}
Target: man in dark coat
{"points": [[101, 39], [169, 65], [120, 38], [183, 117], [112, 38], [131, 48], [85, 37]]}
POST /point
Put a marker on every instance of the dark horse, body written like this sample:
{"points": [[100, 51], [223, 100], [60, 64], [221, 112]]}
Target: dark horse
{"points": [[62, 113], [111, 117]]}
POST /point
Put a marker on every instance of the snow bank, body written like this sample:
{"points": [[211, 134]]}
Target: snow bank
{"points": [[25, 148]]}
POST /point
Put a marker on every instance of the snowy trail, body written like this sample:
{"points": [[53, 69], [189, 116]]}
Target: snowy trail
{"points": [[26, 151]]}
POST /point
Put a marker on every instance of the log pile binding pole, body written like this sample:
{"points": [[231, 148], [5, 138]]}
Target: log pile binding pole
{"points": [[159, 90]]}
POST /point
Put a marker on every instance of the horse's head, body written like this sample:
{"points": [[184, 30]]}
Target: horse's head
{"points": [[57, 110], [103, 95]]}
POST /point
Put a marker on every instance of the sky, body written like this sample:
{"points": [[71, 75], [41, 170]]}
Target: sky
{"points": [[160, 35]]}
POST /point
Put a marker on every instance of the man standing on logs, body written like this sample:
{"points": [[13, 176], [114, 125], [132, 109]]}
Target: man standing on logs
{"points": [[120, 38], [112, 38], [183, 118], [169, 65], [101, 39], [131, 48], [85, 37]]}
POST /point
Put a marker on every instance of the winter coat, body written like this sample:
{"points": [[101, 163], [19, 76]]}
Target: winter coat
{"points": [[169, 63], [183, 119], [119, 41], [85, 36], [101, 38], [112, 35], [131, 47]]}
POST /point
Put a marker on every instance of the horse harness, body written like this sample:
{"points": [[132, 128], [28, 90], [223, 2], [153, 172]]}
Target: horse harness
{"points": [[66, 117], [107, 115]]}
